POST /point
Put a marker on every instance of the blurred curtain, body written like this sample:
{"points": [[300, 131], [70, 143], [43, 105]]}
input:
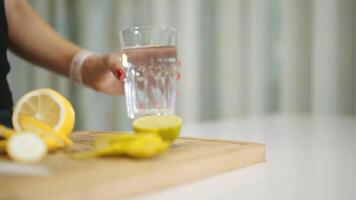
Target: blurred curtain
{"points": [[239, 57]]}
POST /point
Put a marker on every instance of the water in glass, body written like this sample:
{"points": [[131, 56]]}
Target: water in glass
{"points": [[150, 82]]}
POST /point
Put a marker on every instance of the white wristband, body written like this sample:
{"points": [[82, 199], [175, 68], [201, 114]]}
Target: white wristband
{"points": [[75, 69]]}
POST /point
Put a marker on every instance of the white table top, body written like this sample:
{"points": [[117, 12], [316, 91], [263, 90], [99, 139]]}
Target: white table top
{"points": [[307, 158]]}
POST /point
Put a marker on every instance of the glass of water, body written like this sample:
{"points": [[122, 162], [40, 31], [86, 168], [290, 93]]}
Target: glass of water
{"points": [[149, 56]]}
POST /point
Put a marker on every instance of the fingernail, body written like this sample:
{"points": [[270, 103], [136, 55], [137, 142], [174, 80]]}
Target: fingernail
{"points": [[119, 74], [178, 77]]}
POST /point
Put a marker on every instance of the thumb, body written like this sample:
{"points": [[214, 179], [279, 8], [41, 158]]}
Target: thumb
{"points": [[114, 62]]}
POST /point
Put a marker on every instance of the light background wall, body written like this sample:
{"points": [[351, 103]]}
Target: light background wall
{"points": [[240, 58]]}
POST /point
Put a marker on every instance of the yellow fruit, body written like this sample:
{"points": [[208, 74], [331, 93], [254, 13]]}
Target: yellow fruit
{"points": [[131, 145], [107, 140], [3, 145], [168, 127], [111, 150], [47, 106], [50, 137], [6, 132], [146, 146], [26, 147]]}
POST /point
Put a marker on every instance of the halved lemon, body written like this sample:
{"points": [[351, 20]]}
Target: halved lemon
{"points": [[47, 106], [166, 126]]}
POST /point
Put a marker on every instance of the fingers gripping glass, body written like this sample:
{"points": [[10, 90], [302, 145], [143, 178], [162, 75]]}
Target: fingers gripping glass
{"points": [[149, 56]]}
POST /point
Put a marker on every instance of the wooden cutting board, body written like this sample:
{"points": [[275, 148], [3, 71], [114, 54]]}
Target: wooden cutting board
{"points": [[60, 177]]}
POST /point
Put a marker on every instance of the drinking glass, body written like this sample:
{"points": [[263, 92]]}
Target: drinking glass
{"points": [[149, 56]]}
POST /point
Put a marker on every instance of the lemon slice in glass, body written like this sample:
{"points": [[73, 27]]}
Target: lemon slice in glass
{"points": [[166, 126]]}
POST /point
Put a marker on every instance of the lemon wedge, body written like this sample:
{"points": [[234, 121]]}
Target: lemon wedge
{"points": [[47, 106], [44, 131], [130, 145], [166, 126]]}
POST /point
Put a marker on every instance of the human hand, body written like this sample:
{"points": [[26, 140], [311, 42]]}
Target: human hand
{"points": [[104, 73]]}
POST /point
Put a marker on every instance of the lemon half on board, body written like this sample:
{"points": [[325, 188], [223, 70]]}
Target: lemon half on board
{"points": [[166, 126], [48, 106]]}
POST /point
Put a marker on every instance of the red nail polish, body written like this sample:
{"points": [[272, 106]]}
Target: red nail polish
{"points": [[178, 76], [120, 74]]}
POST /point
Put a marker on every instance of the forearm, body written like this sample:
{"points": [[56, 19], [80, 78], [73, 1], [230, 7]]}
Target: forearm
{"points": [[33, 39]]}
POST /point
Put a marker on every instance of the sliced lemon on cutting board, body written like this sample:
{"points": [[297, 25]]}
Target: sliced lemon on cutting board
{"points": [[3, 144], [49, 136], [26, 147], [6, 132], [130, 145], [46, 106], [166, 126]]}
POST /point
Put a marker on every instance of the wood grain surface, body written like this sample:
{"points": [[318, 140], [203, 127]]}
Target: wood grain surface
{"points": [[60, 177]]}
